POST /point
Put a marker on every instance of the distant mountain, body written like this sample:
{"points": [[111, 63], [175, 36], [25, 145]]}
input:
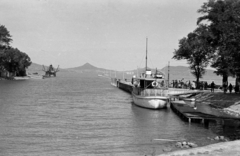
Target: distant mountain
{"points": [[175, 72], [87, 67]]}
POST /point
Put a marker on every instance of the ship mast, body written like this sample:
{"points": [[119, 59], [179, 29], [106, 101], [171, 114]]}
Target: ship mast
{"points": [[168, 73], [146, 52]]}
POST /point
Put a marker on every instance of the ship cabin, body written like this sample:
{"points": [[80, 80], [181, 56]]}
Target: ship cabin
{"points": [[149, 83]]}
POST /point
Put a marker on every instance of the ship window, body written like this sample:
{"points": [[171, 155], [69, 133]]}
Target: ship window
{"points": [[141, 84]]}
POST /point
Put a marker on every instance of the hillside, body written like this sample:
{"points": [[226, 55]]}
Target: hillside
{"points": [[87, 67], [183, 72], [37, 68], [175, 72], [179, 73]]}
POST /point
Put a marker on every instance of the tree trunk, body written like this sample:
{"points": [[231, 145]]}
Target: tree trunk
{"points": [[237, 83], [197, 70], [225, 83], [197, 83]]}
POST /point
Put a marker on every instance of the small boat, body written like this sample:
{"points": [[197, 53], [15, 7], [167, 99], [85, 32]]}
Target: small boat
{"points": [[21, 78], [35, 76], [50, 71], [150, 90]]}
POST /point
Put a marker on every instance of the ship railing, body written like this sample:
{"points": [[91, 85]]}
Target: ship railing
{"points": [[164, 92], [154, 92], [181, 91]]}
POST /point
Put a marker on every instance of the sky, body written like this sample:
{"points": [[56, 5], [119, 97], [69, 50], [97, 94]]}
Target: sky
{"points": [[109, 34]]}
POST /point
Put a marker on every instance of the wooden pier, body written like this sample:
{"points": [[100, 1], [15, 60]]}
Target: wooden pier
{"points": [[122, 84], [183, 110], [190, 114], [126, 86]]}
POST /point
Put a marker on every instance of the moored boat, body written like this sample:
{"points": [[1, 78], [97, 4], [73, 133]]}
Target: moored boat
{"points": [[150, 91], [21, 78], [35, 76]]}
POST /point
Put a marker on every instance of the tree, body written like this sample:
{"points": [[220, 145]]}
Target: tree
{"points": [[23, 63], [12, 59], [5, 37], [16, 61], [195, 49], [223, 19]]}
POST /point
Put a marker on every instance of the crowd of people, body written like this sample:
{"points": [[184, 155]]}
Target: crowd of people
{"points": [[204, 85], [230, 87], [182, 84]]}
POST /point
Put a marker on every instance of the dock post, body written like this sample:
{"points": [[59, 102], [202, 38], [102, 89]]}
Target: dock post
{"points": [[206, 123]]}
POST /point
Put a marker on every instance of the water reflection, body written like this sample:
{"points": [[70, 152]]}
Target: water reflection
{"points": [[230, 128], [222, 124], [167, 125]]}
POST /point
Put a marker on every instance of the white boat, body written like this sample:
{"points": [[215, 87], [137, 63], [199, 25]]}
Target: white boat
{"points": [[21, 78], [35, 76], [150, 91]]}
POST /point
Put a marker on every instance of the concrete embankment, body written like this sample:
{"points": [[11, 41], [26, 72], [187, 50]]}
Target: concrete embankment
{"points": [[230, 104], [230, 148]]}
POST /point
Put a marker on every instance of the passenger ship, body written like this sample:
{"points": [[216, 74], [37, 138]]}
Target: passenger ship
{"points": [[150, 90]]}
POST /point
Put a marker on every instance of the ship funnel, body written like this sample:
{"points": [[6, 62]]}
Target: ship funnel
{"points": [[148, 72]]}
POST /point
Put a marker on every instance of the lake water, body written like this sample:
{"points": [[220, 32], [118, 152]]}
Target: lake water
{"points": [[82, 114]]}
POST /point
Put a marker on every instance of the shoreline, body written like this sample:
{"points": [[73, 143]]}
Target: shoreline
{"points": [[230, 104], [230, 148]]}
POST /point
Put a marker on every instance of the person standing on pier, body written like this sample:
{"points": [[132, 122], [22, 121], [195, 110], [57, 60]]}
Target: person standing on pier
{"points": [[236, 88], [176, 83], [230, 87], [173, 83], [212, 86]]}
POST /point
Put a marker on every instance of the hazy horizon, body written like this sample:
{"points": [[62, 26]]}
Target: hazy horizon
{"points": [[107, 34]]}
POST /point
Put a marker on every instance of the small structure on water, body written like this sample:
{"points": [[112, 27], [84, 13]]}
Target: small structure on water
{"points": [[49, 71]]}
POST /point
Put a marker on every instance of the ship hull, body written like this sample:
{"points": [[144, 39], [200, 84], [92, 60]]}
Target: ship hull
{"points": [[150, 102]]}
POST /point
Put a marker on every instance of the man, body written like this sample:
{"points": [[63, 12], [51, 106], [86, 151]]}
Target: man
{"points": [[133, 78], [230, 88], [212, 86]]}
